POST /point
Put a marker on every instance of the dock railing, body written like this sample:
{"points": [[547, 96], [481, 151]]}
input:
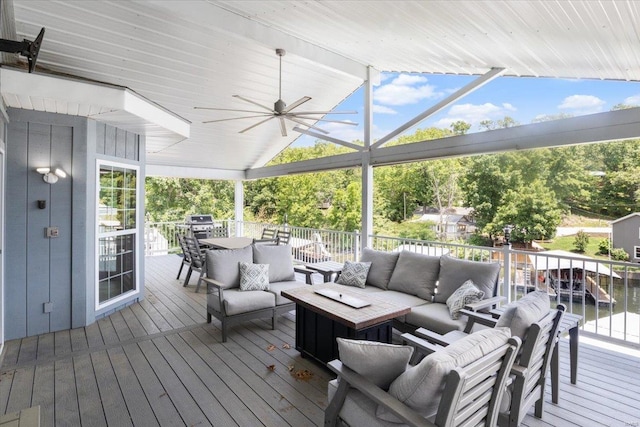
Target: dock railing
{"points": [[605, 293]]}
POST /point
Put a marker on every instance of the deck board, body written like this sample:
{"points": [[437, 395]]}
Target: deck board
{"points": [[158, 363]]}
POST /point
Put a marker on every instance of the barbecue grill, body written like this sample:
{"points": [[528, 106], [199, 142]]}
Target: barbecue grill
{"points": [[199, 225]]}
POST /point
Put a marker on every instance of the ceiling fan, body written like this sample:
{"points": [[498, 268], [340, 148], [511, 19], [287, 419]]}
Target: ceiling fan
{"points": [[280, 110]]}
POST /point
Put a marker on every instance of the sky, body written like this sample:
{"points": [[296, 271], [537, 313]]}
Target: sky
{"points": [[400, 97]]}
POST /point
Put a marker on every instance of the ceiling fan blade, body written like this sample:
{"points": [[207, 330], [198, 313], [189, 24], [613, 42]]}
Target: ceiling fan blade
{"points": [[294, 119], [254, 103], [297, 104], [228, 109], [257, 124], [325, 112], [344, 122], [235, 118], [283, 128]]}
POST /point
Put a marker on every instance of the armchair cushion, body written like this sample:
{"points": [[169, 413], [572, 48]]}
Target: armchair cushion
{"points": [[436, 317], [279, 259], [238, 302], [520, 314], [420, 387], [254, 277], [354, 274], [380, 363], [454, 272], [222, 265], [465, 294], [416, 274], [382, 265]]}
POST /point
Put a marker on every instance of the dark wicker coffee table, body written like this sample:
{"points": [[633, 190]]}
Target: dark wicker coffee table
{"points": [[320, 320]]}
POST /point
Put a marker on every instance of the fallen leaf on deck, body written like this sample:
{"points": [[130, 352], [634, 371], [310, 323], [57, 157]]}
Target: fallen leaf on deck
{"points": [[271, 367], [303, 374], [291, 368], [286, 346], [271, 347]]}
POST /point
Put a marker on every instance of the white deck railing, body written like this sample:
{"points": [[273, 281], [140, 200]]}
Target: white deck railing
{"points": [[605, 293]]}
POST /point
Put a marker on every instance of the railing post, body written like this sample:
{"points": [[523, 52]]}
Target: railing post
{"points": [[506, 282], [356, 241]]}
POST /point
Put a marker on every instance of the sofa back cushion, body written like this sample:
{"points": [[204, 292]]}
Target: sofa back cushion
{"points": [[222, 265], [454, 272], [279, 259], [382, 265], [519, 315], [415, 274], [420, 387]]}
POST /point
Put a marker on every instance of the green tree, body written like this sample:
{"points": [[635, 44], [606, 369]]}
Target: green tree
{"points": [[581, 241]]}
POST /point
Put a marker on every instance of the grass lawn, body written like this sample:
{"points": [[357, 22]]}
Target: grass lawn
{"points": [[566, 244]]}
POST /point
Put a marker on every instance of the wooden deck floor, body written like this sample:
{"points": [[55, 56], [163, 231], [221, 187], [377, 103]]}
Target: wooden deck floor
{"points": [[159, 363]]}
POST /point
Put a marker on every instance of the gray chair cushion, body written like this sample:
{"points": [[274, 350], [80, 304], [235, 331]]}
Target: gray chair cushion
{"points": [[222, 265], [416, 274], [420, 387], [519, 315], [237, 301], [380, 363], [454, 272], [382, 265], [436, 318], [277, 287], [279, 259]]}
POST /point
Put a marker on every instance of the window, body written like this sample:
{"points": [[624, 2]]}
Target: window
{"points": [[636, 252], [117, 232]]}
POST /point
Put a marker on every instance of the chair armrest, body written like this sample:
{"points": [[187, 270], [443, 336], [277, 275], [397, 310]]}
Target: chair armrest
{"points": [[519, 371], [213, 283], [432, 337], [379, 396], [420, 343], [482, 318], [307, 273], [485, 303]]}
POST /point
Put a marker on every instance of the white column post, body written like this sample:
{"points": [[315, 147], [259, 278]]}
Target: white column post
{"points": [[238, 207], [367, 169]]}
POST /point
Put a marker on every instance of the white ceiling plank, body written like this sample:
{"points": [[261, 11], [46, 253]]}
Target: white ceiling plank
{"points": [[196, 173]]}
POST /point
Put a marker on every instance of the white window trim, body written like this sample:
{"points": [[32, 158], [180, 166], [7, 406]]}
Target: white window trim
{"points": [[636, 252], [129, 294]]}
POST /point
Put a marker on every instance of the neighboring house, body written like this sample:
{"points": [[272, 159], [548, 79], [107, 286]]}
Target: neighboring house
{"points": [[626, 235], [457, 223]]}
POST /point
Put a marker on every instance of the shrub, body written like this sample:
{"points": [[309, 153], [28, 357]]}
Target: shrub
{"points": [[604, 246], [619, 254], [581, 241]]}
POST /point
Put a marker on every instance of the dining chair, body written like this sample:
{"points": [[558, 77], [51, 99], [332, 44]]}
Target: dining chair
{"points": [[198, 261], [186, 256], [283, 237]]}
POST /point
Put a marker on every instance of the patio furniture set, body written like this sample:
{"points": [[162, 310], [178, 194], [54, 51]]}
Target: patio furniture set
{"points": [[463, 360]]}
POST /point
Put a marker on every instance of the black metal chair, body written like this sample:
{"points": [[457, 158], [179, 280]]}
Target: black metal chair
{"points": [[198, 260], [186, 256]]}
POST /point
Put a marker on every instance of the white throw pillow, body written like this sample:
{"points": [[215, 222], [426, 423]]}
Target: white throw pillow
{"points": [[380, 363], [465, 294], [354, 274], [254, 277]]}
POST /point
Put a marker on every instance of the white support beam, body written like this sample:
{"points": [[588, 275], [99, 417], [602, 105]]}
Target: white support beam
{"points": [[214, 17], [198, 173], [238, 207], [477, 83], [601, 127], [328, 138], [367, 168]]}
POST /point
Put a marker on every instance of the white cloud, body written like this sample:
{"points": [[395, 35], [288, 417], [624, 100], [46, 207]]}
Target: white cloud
{"points": [[404, 90], [475, 113], [381, 109], [632, 100], [582, 104]]}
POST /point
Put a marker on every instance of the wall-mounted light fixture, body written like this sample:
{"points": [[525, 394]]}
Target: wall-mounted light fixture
{"points": [[51, 177]]}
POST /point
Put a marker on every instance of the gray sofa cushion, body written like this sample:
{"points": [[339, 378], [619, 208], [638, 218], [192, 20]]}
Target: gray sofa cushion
{"points": [[279, 259], [276, 287], [399, 298], [380, 363], [435, 317], [382, 265], [222, 265], [237, 301], [454, 272], [519, 315], [416, 274]]}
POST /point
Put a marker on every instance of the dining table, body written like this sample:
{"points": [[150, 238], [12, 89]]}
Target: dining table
{"points": [[226, 242]]}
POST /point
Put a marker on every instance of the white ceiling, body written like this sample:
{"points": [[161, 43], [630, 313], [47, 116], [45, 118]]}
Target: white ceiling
{"points": [[181, 54]]}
